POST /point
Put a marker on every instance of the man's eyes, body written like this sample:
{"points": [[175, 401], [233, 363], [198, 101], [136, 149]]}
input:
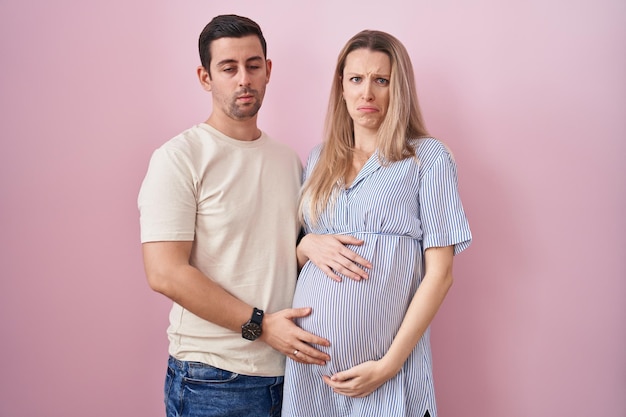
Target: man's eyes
{"points": [[249, 67]]}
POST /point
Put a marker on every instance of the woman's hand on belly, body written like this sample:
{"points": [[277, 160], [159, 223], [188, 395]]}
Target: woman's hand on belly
{"points": [[330, 254], [360, 380]]}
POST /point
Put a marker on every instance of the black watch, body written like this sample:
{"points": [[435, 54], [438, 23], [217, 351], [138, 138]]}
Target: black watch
{"points": [[252, 329]]}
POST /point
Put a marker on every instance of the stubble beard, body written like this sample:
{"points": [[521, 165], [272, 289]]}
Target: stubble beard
{"points": [[246, 111]]}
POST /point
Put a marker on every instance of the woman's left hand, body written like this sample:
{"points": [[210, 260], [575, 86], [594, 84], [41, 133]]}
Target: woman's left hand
{"points": [[360, 380]]}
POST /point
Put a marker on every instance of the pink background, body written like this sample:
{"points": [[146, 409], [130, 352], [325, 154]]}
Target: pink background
{"points": [[531, 96]]}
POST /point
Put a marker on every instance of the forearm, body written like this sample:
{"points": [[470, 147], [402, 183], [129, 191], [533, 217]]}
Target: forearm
{"points": [[200, 295], [301, 256], [169, 273], [366, 377], [421, 312]]}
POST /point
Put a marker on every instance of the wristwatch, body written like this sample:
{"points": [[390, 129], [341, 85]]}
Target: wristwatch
{"points": [[252, 329]]}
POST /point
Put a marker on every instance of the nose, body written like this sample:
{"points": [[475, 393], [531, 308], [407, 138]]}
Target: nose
{"points": [[244, 79], [368, 95]]}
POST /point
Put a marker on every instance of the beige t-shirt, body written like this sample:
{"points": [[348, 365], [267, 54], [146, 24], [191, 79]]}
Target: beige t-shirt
{"points": [[237, 201]]}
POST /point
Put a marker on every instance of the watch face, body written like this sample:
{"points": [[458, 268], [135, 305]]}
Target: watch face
{"points": [[251, 331]]}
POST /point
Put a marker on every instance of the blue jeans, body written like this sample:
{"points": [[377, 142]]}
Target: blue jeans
{"points": [[195, 389]]}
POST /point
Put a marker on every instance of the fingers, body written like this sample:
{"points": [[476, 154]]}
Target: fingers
{"points": [[346, 386], [311, 339], [350, 263], [343, 376], [340, 387], [348, 269], [307, 339], [308, 354], [330, 254], [295, 313], [355, 257], [349, 240], [358, 381], [285, 336], [330, 273], [303, 350], [302, 357]]}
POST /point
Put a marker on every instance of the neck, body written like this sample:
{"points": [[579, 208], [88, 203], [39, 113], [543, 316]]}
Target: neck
{"points": [[365, 144], [245, 130]]}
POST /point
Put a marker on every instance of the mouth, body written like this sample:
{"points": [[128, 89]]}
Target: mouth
{"points": [[367, 109], [245, 97]]}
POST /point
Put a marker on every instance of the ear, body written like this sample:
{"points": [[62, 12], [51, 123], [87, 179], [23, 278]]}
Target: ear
{"points": [[204, 78], [268, 68]]}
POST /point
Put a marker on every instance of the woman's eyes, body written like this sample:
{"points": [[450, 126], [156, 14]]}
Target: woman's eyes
{"points": [[380, 80]]}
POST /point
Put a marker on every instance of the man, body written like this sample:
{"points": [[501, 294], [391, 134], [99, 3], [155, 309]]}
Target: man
{"points": [[218, 230]]}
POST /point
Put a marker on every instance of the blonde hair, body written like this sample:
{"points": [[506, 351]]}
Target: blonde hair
{"points": [[402, 122]]}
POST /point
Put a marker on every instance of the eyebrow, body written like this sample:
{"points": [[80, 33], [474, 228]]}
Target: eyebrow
{"points": [[234, 61], [380, 75]]}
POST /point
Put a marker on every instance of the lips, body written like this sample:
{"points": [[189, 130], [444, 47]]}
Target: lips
{"points": [[246, 98], [246, 94]]}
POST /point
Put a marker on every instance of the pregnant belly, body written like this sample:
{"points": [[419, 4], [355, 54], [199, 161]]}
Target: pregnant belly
{"points": [[359, 318]]}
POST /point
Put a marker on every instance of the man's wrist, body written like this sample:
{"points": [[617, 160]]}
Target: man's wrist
{"points": [[253, 328]]}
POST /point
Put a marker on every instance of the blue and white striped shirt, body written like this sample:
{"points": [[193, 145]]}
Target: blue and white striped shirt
{"points": [[399, 210]]}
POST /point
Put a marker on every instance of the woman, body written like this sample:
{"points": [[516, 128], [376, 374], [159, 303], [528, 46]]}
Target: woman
{"points": [[378, 189]]}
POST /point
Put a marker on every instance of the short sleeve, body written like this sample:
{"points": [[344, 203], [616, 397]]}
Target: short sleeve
{"points": [[312, 159], [167, 198], [441, 211]]}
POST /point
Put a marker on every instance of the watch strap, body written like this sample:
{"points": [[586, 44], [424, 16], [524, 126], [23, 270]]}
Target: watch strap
{"points": [[257, 316]]}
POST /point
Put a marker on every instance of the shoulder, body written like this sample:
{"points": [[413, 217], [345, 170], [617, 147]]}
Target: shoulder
{"points": [[186, 142], [429, 147], [186, 152], [430, 151], [315, 154]]}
